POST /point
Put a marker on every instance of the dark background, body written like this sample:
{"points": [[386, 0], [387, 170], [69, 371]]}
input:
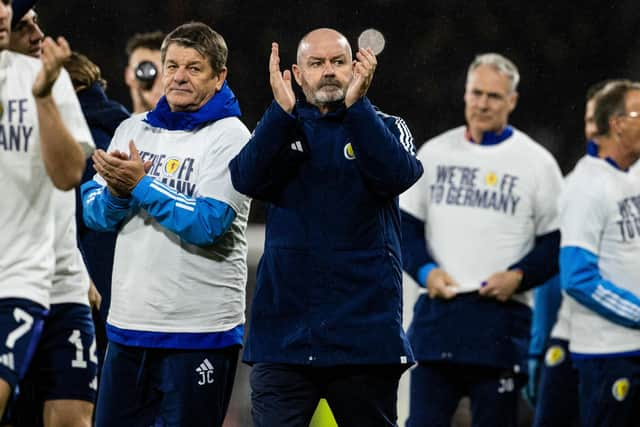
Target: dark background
{"points": [[560, 48]]}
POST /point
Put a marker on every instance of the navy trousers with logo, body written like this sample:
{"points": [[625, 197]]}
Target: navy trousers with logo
{"points": [[436, 389], [165, 387], [609, 391]]}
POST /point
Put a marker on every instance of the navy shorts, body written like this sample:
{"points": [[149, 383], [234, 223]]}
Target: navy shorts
{"points": [[165, 387], [21, 323], [557, 403], [609, 390], [287, 395], [437, 387], [64, 365]]}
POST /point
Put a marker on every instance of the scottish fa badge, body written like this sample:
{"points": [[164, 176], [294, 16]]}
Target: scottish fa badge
{"points": [[620, 389], [555, 355], [348, 152]]}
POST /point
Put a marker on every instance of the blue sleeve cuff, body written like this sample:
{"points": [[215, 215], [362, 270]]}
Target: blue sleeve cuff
{"points": [[199, 221], [360, 105], [279, 112], [101, 210], [141, 189], [116, 202], [423, 273]]}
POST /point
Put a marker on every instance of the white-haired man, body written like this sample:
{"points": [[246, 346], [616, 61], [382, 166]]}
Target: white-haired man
{"points": [[479, 229]]}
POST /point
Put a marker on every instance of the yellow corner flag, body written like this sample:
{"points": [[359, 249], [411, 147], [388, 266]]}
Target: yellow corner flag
{"points": [[323, 416]]}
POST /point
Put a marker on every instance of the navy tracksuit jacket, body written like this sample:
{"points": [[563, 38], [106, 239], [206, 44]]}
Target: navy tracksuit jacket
{"points": [[329, 284]]}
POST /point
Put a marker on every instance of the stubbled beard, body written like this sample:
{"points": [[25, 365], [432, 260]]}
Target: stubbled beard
{"points": [[322, 96], [319, 94]]}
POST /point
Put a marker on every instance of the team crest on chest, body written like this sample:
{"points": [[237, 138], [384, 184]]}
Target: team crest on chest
{"points": [[172, 165], [555, 355], [491, 179], [348, 152]]}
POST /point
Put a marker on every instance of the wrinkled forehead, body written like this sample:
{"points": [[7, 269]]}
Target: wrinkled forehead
{"points": [[325, 46], [632, 100]]}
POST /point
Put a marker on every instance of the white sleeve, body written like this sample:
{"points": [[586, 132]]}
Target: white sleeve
{"points": [[71, 113], [414, 200], [215, 177], [576, 227], [549, 185]]}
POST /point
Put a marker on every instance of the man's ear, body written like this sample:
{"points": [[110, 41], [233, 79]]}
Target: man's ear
{"points": [[297, 74], [513, 101], [222, 76]]}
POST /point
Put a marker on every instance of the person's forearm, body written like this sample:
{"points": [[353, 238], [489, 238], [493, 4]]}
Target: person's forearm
{"points": [[258, 170], [63, 158]]}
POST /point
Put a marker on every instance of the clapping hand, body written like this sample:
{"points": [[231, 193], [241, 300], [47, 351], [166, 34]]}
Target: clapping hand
{"points": [[121, 172], [54, 55], [363, 70], [280, 81]]}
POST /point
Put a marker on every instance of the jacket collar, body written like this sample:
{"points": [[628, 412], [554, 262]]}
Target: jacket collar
{"points": [[308, 111]]}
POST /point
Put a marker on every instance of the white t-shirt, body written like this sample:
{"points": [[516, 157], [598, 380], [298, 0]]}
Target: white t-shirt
{"points": [[483, 205], [562, 327], [599, 213], [163, 284], [27, 258], [71, 279]]}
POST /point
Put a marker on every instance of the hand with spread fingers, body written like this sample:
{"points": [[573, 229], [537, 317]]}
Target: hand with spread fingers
{"points": [[363, 70], [501, 285], [54, 55], [121, 172], [280, 81], [441, 285]]}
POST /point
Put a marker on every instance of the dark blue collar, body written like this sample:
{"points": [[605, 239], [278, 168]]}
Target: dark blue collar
{"points": [[223, 104], [592, 150], [492, 138]]}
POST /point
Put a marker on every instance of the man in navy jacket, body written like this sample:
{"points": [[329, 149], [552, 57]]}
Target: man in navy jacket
{"points": [[326, 316]]}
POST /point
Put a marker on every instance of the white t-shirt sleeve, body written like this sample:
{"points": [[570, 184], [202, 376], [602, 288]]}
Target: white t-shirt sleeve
{"points": [[215, 176], [71, 112], [549, 185], [413, 201], [582, 218]]}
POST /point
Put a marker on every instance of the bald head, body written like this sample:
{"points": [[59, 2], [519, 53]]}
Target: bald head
{"points": [[319, 38]]}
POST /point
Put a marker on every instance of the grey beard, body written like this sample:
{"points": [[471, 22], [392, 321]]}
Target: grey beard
{"points": [[326, 97]]}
